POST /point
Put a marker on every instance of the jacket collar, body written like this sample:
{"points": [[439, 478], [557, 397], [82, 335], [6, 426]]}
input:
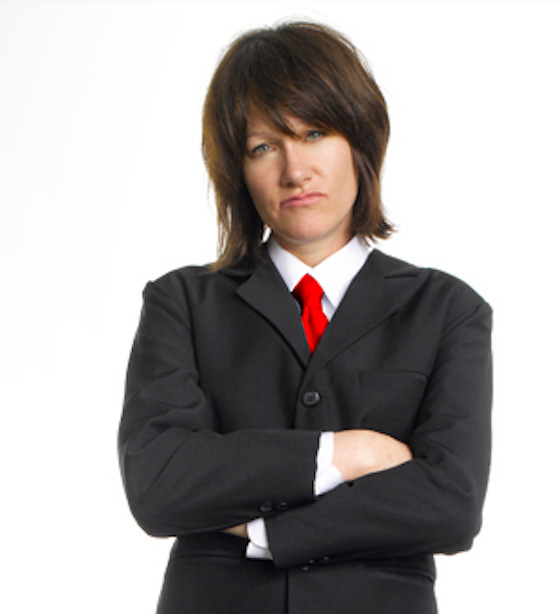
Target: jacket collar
{"points": [[370, 299], [266, 292]]}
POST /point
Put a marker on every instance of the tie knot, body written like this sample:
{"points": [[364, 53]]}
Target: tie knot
{"points": [[308, 292]]}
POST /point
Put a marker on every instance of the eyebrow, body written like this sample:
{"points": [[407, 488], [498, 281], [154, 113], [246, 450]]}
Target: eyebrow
{"points": [[299, 133], [260, 133]]}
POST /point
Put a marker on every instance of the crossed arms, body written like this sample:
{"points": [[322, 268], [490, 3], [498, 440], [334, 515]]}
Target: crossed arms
{"points": [[183, 476], [358, 452]]}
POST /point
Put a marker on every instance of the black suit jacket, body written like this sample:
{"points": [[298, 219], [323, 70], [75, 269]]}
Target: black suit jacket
{"points": [[223, 411]]}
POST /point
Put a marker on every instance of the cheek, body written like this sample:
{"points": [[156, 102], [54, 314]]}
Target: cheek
{"points": [[258, 194], [346, 177], [256, 184]]}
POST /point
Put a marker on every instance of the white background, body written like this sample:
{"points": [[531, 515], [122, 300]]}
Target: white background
{"points": [[102, 188]]}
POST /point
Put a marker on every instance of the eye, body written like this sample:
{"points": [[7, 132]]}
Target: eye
{"points": [[315, 135], [260, 149]]}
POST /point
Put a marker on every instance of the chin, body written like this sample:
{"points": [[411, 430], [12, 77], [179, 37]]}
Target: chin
{"points": [[302, 236], [300, 240]]}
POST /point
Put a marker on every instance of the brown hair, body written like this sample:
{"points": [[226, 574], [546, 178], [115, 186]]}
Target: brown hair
{"points": [[302, 69]]}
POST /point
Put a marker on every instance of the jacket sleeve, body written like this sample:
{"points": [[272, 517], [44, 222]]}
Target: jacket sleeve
{"points": [[181, 476], [431, 504]]}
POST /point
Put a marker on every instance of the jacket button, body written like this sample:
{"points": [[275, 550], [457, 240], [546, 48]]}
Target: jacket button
{"points": [[266, 507], [281, 506], [311, 398]]}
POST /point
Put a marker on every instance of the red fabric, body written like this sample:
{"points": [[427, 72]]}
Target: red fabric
{"points": [[309, 294]]}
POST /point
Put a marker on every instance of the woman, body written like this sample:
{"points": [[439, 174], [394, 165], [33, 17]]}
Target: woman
{"points": [[310, 418]]}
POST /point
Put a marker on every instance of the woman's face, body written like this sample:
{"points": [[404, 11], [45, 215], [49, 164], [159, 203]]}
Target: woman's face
{"points": [[303, 186]]}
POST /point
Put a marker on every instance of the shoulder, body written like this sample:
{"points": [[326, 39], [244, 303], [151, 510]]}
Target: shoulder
{"points": [[434, 285], [176, 280], [197, 283]]}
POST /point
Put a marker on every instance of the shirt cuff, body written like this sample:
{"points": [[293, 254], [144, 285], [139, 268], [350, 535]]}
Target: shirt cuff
{"points": [[257, 548], [327, 476]]}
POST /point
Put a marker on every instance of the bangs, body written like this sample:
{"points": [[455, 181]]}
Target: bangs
{"points": [[280, 81], [301, 72]]}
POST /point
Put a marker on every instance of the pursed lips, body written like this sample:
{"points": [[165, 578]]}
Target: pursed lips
{"points": [[307, 198]]}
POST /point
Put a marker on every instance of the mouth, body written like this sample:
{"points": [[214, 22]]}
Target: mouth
{"points": [[300, 200]]}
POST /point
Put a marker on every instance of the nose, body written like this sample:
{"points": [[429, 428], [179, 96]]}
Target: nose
{"points": [[296, 169]]}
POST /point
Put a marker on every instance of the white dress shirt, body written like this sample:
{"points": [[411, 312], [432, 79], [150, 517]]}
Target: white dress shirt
{"points": [[334, 274]]}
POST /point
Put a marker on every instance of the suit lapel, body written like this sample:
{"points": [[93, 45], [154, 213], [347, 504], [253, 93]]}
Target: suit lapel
{"points": [[366, 304], [266, 292]]}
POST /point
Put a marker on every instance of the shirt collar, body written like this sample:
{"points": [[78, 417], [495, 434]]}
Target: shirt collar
{"points": [[334, 274]]}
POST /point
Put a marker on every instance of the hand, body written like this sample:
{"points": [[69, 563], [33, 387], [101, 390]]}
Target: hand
{"points": [[240, 530], [358, 452]]}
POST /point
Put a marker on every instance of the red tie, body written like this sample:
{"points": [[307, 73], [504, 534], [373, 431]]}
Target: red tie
{"points": [[308, 294]]}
